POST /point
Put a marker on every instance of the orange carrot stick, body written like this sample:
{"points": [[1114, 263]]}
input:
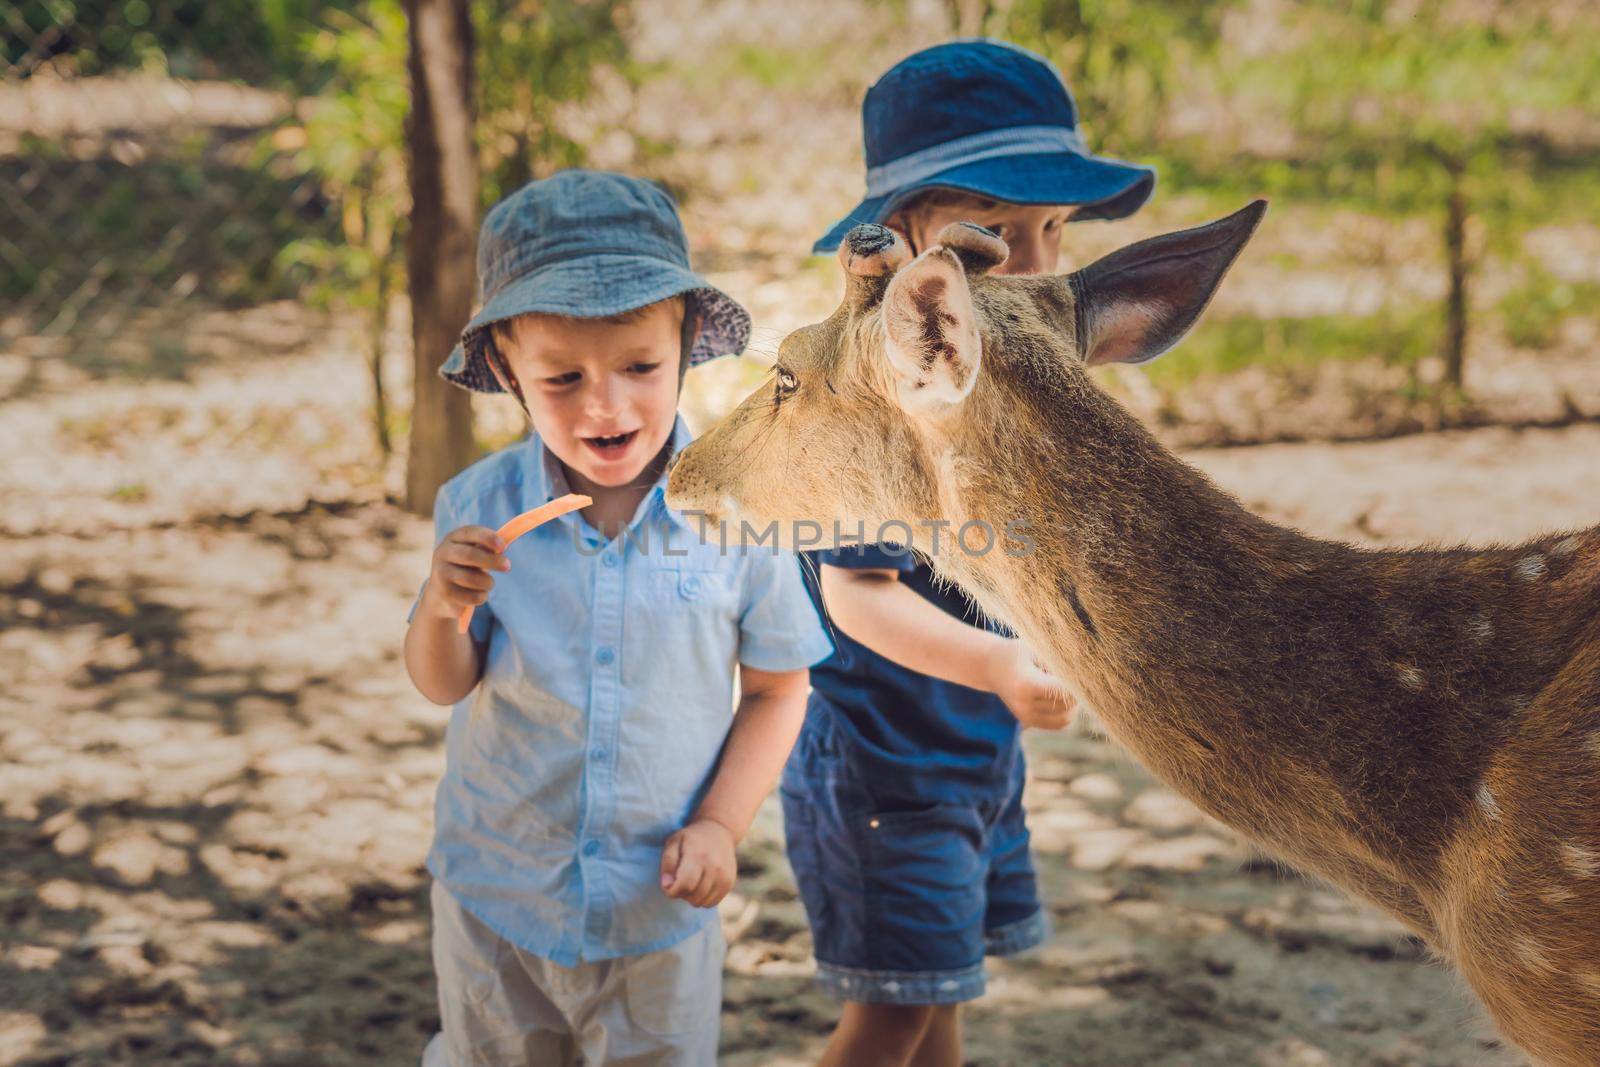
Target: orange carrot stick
{"points": [[522, 524]]}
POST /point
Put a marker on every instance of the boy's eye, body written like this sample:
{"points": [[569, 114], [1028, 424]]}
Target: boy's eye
{"points": [[643, 368], [564, 379]]}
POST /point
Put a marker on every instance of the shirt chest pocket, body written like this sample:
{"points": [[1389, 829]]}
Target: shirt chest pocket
{"points": [[692, 590]]}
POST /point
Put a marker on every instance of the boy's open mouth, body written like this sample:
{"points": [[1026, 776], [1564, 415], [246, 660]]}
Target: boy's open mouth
{"points": [[611, 447]]}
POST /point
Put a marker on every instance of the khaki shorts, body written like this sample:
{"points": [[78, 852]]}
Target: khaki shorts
{"points": [[501, 1006]]}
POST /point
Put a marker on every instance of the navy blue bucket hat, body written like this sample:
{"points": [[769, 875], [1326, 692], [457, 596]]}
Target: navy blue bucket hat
{"points": [[588, 244], [989, 118]]}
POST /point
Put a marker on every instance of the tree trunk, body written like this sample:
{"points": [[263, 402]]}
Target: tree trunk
{"points": [[380, 399], [1455, 244], [439, 252]]}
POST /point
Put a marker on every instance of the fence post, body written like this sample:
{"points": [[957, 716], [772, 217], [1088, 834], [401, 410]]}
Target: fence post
{"points": [[443, 172]]}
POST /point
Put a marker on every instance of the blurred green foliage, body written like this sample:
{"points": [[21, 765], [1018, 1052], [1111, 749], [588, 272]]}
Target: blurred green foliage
{"points": [[1534, 311], [128, 230], [1126, 60], [352, 142], [535, 58], [314, 206], [247, 40], [1481, 117], [1392, 109]]}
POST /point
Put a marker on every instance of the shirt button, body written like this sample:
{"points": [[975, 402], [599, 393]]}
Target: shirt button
{"points": [[598, 755], [604, 656], [591, 848], [691, 585], [609, 560]]}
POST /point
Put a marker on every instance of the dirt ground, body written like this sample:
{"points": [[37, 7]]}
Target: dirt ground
{"points": [[216, 781]]}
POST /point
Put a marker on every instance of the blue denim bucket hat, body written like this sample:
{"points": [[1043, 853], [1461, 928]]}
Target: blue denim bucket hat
{"points": [[587, 244], [984, 117]]}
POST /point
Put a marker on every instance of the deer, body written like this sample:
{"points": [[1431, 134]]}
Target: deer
{"points": [[1418, 726]]}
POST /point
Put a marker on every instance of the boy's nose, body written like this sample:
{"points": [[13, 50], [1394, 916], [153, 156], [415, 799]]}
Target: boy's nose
{"points": [[1027, 257]]}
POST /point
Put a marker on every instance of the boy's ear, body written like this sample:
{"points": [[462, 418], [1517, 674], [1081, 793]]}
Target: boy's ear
{"points": [[502, 370], [692, 321], [494, 369], [931, 331], [1139, 301]]}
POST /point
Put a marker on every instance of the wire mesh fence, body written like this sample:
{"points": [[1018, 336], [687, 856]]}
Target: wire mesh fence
{"points": [[143, 166]]}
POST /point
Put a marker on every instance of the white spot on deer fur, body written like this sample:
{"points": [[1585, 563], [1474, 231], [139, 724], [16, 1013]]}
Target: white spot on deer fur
{"points": [[1530, 568], [1486, 801], [1530, 952], [1410, 677], [1480, 629], [1593, 744], [1581, 860], [1556, 895], [1565, 547]]}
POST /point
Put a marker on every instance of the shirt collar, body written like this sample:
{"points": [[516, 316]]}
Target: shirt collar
{"points": [[553, 480]]}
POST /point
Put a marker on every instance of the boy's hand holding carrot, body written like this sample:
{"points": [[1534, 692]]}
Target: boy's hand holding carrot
{"points": [[461, 575]]}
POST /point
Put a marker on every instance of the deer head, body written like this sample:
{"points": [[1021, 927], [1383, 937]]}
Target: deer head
{"points": [[930, 363]]}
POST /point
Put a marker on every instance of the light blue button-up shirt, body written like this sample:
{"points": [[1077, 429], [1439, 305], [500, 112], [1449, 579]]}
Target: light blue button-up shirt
{"points": [[606, 696]]}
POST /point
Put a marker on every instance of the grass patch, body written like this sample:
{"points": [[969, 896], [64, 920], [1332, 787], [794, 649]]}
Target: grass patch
{"points": [[1226, 346], [1534, 311]]}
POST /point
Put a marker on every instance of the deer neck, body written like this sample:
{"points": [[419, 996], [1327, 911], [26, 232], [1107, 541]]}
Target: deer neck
{"points": [[1196, 631]]}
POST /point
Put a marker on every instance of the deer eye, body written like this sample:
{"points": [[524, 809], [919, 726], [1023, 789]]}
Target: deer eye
{"points": [[787, 382]]}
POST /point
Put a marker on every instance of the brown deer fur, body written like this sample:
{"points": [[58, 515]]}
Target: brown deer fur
{"points": [[1420, 727]]}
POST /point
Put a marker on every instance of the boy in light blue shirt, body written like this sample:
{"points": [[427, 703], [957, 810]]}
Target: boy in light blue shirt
{"points": [[597, 779]]}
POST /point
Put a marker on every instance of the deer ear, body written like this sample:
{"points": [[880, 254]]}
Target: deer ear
{"points": [[1139, 301], [870, 254], [931, 331]]}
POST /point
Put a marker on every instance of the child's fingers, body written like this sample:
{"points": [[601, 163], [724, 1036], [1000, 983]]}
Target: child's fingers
{"points": [[670, 855], [686, 885], [716, 888], [702, 889], [1058, 709], [460, 596], [466, 577], [481, 536], [472, 556]]}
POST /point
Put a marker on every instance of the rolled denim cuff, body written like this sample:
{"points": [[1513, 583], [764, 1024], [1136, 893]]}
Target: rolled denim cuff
{"points": [[902, 987], [1019, 936]]}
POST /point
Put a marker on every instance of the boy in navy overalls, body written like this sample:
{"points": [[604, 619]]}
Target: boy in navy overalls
{"points": [[903, 798]]}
